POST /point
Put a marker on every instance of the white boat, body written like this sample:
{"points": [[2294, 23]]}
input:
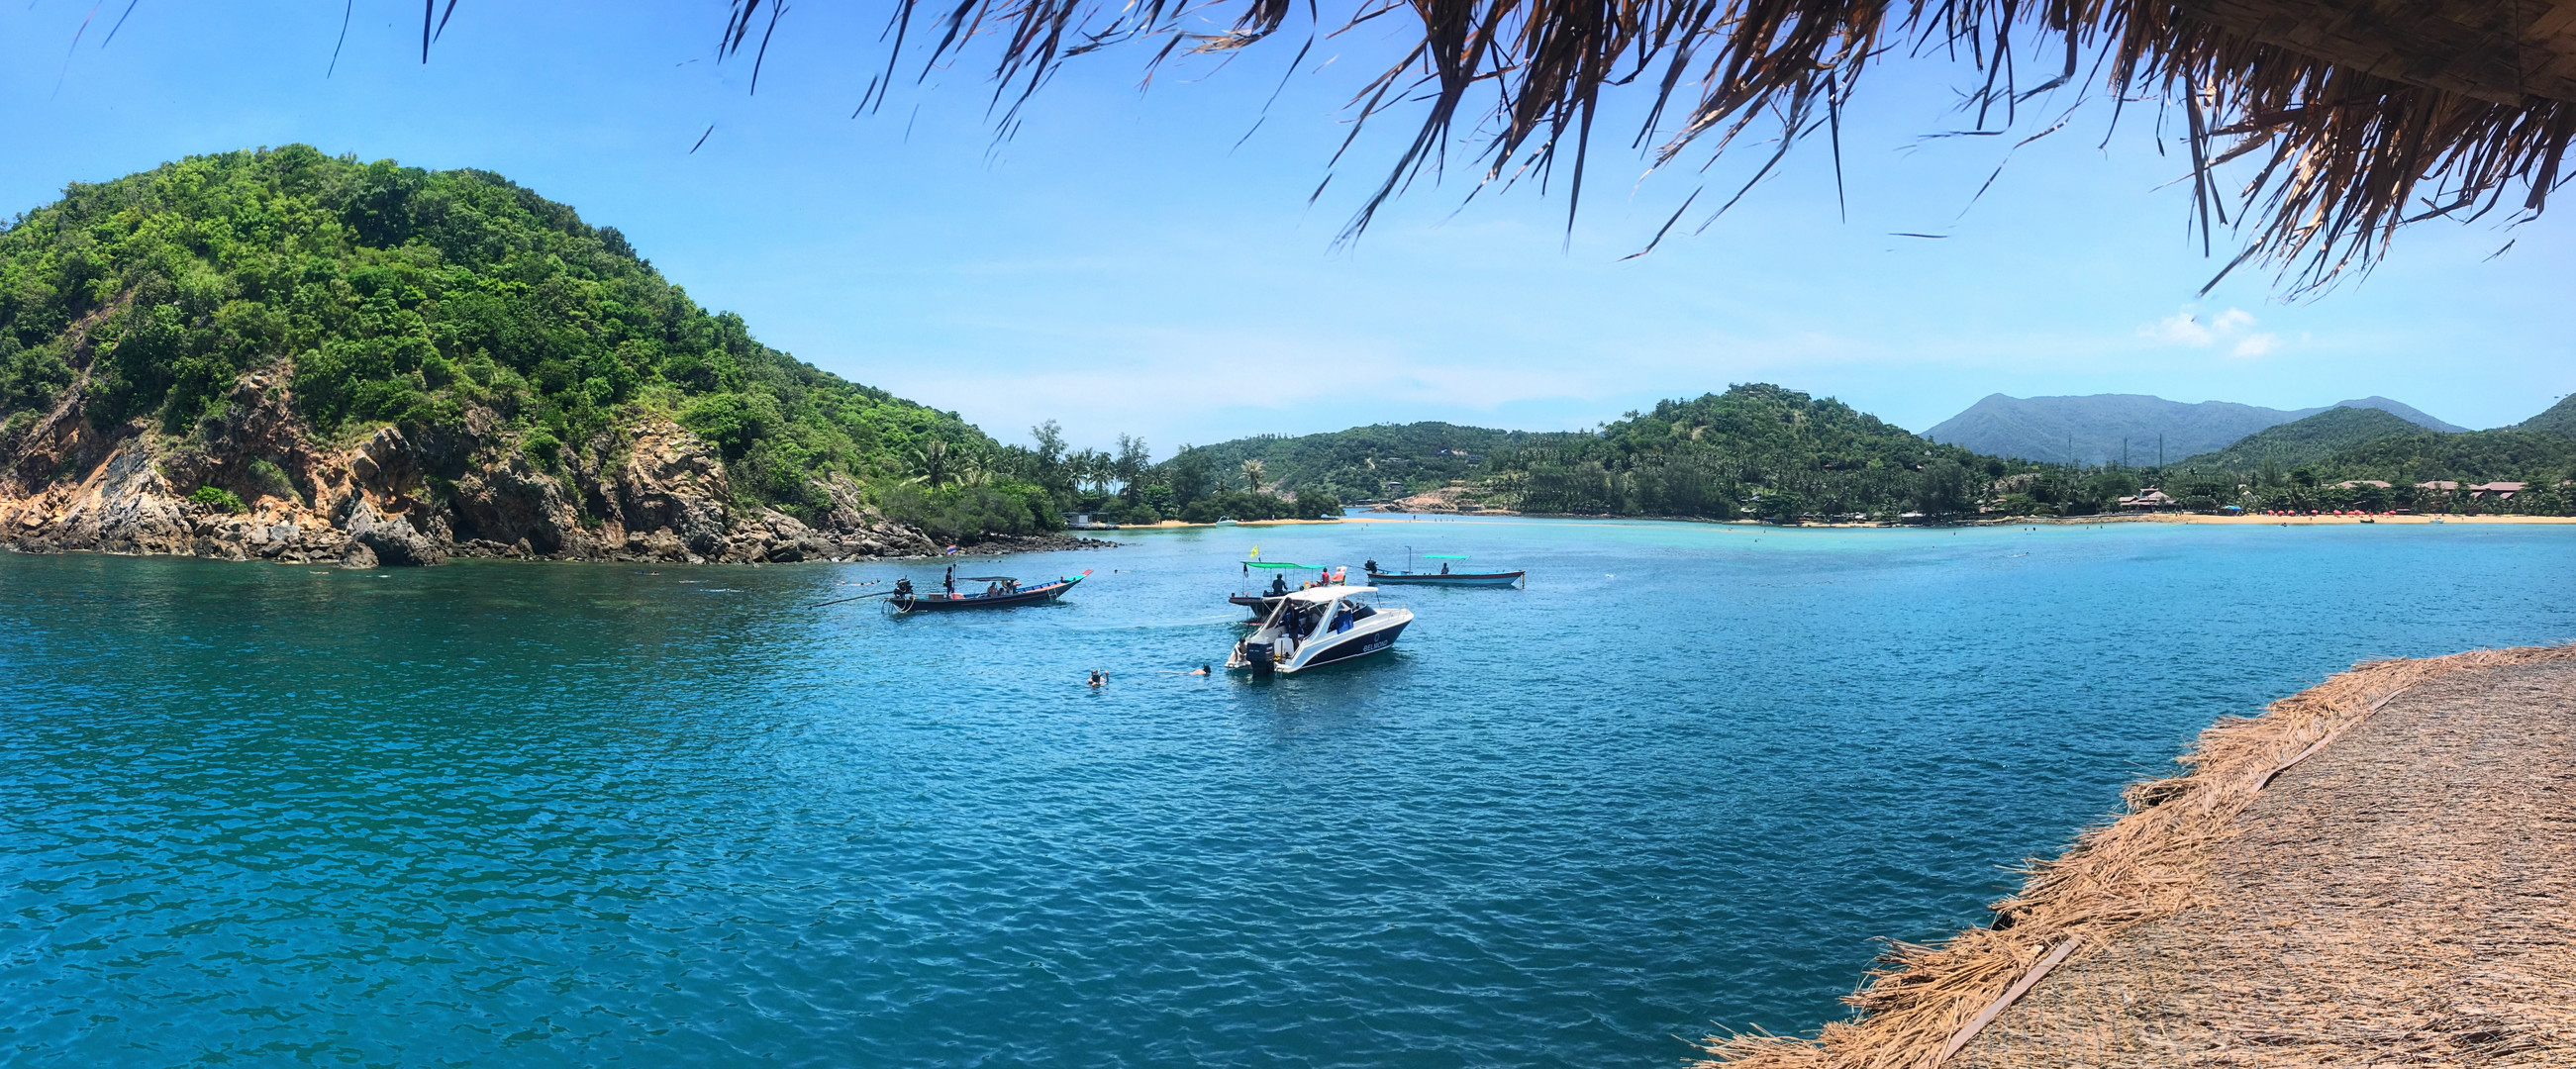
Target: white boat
{"points": [[1324, 625]]}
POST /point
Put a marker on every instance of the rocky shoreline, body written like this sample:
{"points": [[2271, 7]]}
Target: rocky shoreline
{"points": [[644, 490]]}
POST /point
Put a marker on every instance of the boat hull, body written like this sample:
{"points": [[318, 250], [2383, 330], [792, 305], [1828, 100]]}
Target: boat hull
{"points": [[1035, 595], [1450, 579], [1375, 634]]}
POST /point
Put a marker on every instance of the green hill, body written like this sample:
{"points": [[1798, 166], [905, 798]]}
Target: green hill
{"points": [[1775, 452], [2559, 418], [2303, 442], [1370, 463], [486, 325], [2476, 456]]}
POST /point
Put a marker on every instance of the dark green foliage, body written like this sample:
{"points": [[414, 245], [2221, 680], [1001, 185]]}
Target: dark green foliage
{"points": [[1356, 464], [1755, 449], [218, 497], [1246, 505], [2558, 419], [2303, 441], [396, 295], [952, 513], [270, 480]]}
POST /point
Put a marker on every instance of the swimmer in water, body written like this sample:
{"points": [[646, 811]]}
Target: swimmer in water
{"points": [[1098, 678], [1203, 670]]}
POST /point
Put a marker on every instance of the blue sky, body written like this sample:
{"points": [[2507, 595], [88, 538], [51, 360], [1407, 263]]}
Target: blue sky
{"points": [[1130, 261]]}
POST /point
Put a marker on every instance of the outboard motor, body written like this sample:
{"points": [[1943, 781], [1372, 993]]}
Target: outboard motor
{"points": [[903, 588], [1258, 654]]}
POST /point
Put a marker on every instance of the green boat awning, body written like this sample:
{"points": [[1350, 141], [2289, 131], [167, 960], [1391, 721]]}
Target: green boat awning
{"points": [[1282, 564]]}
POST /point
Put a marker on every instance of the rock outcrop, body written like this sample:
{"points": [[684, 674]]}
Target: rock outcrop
{"points": [[646, 490]]}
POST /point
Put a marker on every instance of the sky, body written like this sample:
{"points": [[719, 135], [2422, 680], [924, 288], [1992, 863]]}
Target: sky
{"points": [[1154, 259]]}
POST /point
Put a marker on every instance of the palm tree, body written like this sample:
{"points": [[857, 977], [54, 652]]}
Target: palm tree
{"points": [[934, 464], [1256, 477]]}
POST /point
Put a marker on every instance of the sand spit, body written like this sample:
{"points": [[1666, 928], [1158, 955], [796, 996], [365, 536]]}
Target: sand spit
{"points": [[2373, 871]]}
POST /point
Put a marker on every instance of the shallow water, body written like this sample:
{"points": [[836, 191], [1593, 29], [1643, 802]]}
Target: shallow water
{"points": [[508, 814]]}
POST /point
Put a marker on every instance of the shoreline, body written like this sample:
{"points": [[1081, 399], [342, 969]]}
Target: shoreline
{"points": [[1924, 1005]]}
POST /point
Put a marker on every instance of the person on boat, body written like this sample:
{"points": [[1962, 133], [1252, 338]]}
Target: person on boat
{"points": [[1444, 569], [991, 589], [950, 582], [1278, 585]]}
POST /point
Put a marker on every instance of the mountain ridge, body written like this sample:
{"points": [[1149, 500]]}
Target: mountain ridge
{"points": [[2091, 429]]}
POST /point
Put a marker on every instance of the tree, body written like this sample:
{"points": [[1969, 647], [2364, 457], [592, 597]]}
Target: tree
{"points": [[932, 464], [1943, 489], [1256, 476], [1047, 460], [1133, 461], [1190, 479]]}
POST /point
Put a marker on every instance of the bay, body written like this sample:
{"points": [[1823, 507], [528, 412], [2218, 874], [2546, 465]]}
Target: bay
{"points": [[512, 814]]}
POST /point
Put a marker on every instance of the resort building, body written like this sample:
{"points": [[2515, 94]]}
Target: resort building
{"points": [[2147, 498], [2498, 491]]}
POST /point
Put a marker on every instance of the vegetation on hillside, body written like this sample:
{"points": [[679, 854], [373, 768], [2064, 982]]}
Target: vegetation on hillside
{"points": [[1754, 450], [390, 294], [1372, 463], [2303, 441], [2559, 418]]}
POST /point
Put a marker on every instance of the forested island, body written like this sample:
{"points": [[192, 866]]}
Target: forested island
{"points": [[284, 355]]}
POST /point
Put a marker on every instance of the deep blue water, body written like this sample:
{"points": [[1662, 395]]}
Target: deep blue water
{"points": [[511, 814]]}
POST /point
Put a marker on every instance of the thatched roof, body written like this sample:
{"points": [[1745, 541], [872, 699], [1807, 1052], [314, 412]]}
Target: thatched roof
{"points": [[2351, 116]]}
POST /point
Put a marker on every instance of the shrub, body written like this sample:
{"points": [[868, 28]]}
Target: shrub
{"points": [[544, 446], [217, 497], [272, 481]]}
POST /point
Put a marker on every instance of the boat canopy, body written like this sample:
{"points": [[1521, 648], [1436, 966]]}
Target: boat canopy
{"points": [[1281, 564], [1328, 593]]}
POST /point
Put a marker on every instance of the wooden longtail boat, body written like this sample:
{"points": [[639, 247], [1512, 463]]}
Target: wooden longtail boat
{"points": [[906, 600], [1443, 577], [1261, 600]]}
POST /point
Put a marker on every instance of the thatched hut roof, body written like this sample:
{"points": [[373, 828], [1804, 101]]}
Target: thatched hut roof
{"points": [[2352, 117]]}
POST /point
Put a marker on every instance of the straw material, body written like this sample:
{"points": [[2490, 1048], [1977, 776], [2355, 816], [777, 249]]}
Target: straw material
{"points": [[2146, 866], [2353, 116]]}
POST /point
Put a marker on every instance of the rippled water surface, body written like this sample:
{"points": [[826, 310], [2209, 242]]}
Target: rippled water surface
{"points": [[498, 814]]}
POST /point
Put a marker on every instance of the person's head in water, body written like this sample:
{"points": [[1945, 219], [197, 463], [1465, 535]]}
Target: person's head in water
{"points": [[1097, 678]]}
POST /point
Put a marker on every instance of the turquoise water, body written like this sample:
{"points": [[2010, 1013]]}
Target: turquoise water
{"points": [[511, 814]]}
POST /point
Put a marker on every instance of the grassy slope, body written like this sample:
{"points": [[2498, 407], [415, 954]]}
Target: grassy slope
{"points": [[397, 295]]}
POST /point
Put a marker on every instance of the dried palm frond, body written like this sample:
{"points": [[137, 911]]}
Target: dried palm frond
{"points": [[2363, 115]]}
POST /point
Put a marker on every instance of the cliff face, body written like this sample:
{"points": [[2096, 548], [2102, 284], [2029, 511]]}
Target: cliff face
{"points": [[655, 491]]}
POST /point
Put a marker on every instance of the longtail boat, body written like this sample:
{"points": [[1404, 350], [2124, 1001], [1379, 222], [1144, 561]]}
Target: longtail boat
{"points": [[1261, 600], [1011, 593], [1443, 577]]}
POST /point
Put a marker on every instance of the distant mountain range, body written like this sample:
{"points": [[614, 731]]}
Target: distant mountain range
{"points": [[2116, 427]]}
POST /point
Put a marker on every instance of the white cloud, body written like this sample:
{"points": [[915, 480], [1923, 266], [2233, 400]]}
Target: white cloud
{"points": [[2233, 327]]}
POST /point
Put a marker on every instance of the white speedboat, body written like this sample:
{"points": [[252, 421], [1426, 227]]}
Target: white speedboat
{"points": [[1324, 625]]}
